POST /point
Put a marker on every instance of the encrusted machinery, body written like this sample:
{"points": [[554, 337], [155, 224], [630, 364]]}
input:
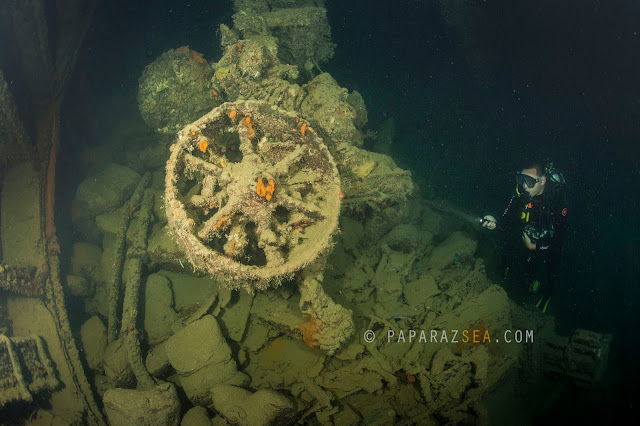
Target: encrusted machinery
{"points": [[300, 26], [252, 194], [179, 77], [21, 280], [25, 369], [580, 360]]}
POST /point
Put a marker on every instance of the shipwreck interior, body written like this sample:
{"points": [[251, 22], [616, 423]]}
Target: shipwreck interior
{"points": [[209, 241]]}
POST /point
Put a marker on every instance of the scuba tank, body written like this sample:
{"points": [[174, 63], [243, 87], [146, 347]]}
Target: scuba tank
{"points": [[554, 174]]}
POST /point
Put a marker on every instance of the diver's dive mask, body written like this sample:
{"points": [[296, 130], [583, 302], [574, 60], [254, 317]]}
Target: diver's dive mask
{"points": [[526, 181]]}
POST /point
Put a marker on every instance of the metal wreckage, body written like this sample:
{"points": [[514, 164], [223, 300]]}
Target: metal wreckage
{"points": [[237, 280]]}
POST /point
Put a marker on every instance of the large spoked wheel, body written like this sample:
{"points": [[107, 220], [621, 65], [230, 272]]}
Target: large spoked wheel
{"points": [[252, 193]]}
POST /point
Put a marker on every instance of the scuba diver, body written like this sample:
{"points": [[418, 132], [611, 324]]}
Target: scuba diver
{"points": [[535, 221]]}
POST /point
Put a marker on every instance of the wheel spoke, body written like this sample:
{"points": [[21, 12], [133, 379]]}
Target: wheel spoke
{"points": [[267, 239], [212, 225], [195, 164], [291, 236], [210, 203], [297, 205], [274, 256], [281, 168], [208, 186], [246, 146], [262, 220]]}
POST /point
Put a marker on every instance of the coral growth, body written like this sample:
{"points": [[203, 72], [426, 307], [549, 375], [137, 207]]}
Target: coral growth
{"points": [[265, 191], [247, 122], [310, 330], [197, 56]]}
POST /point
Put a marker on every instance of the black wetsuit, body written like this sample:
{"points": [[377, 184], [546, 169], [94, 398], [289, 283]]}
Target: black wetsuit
{"points": [[544, 219]]}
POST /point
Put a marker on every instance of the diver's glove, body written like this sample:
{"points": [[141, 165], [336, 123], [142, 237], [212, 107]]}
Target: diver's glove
{"points": [[488, 222]]}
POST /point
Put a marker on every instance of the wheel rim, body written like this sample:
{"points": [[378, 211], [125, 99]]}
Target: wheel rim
{"points": [[252, 193]]}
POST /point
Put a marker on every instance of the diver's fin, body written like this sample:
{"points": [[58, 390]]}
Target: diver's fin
{"points": [[546, 305]]}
